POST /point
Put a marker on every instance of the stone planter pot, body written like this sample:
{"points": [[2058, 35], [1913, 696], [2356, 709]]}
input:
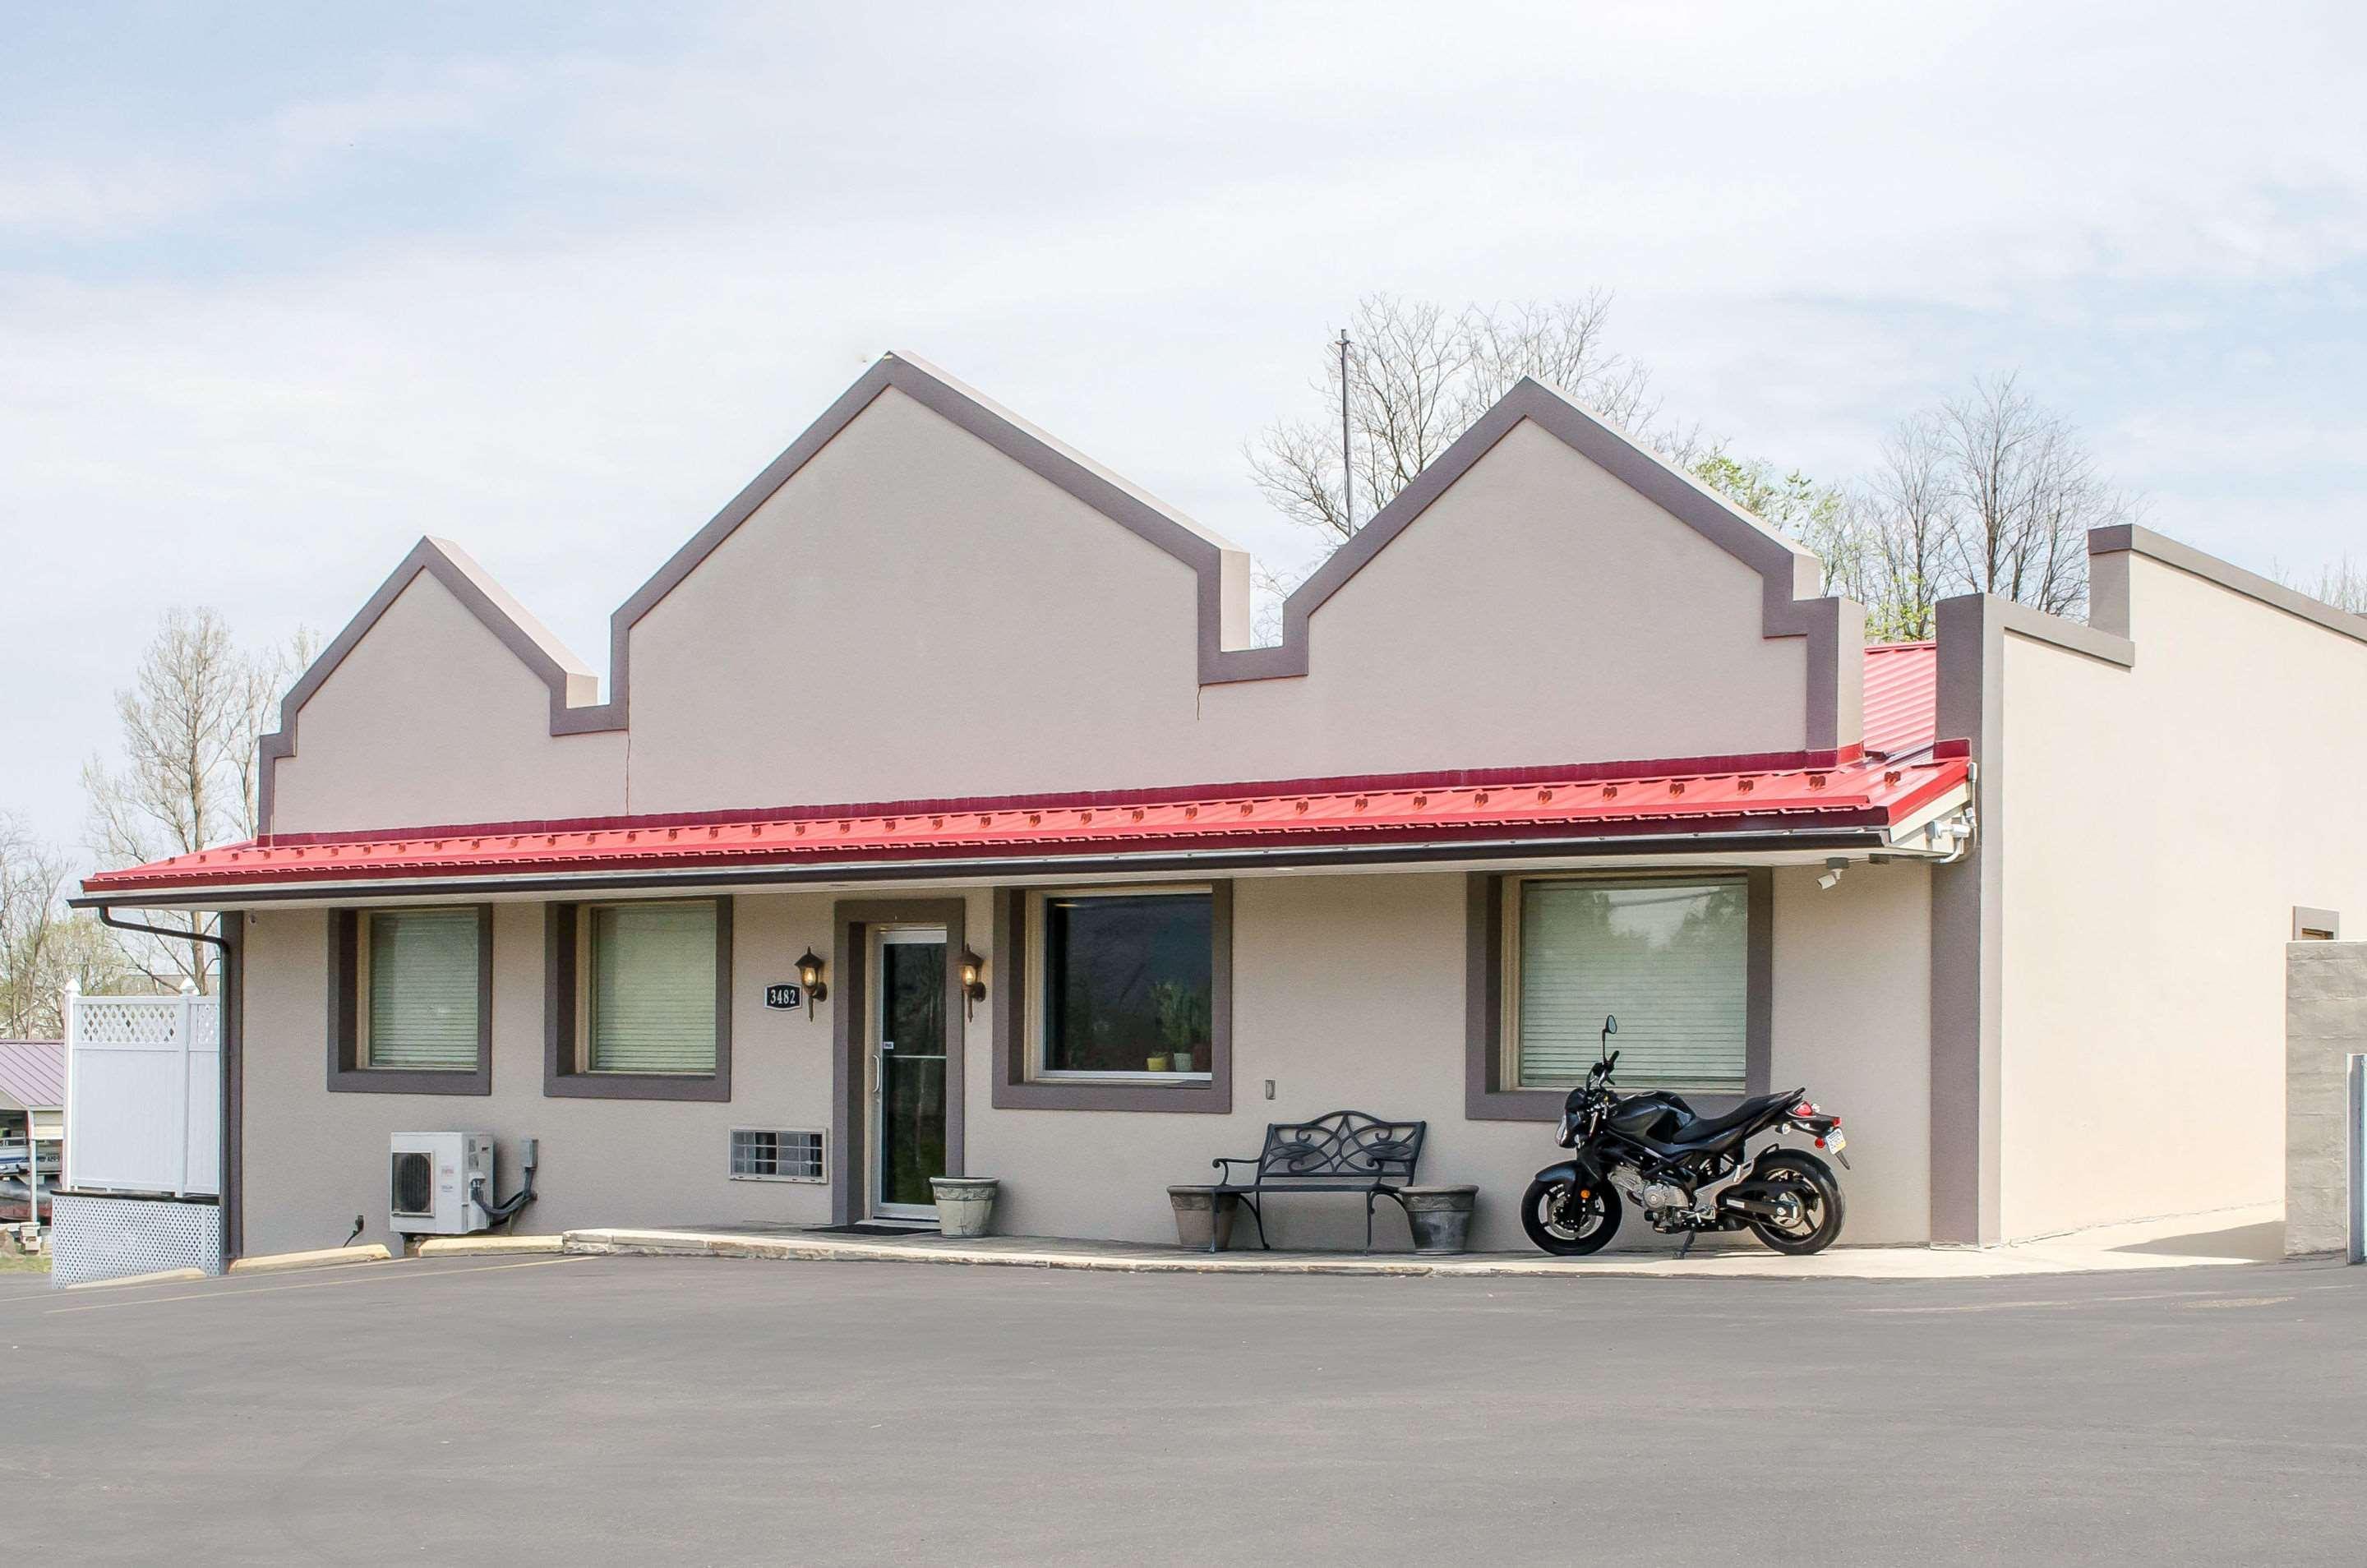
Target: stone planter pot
{"points": [[1439, 1218], [965, 1204], [1201, 1212]]}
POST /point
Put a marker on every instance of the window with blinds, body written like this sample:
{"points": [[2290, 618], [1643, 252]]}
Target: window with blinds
{"points": [[1669, 958], [421, 968], [649, 991]]}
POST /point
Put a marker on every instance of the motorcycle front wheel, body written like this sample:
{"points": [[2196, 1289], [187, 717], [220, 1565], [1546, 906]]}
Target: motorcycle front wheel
{"points": [[1816, 1219], [1565, 1224]]}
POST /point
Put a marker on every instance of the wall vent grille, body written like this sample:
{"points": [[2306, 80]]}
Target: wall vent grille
{"points": [[765, 1154]]}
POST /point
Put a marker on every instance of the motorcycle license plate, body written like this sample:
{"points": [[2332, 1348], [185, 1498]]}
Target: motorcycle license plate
{"points": [[1835, 1142]]}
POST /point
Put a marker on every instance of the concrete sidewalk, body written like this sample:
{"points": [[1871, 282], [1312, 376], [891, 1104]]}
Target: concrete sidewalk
{"points": [[2232, 1236]]}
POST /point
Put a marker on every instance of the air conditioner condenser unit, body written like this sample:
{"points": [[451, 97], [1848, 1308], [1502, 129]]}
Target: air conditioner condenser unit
{"points": [[432, 1178]]}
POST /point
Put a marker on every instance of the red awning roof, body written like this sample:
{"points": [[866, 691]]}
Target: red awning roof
{"points": [[1786, 798]]}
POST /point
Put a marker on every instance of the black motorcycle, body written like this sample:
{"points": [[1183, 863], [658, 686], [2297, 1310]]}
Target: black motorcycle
{"points": [[1653, 1151]]}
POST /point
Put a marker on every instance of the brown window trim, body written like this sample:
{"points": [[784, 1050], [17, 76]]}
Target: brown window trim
{"points": [[1014, 1090], [562, 1079], [1485, 1098], [347, 1073]]}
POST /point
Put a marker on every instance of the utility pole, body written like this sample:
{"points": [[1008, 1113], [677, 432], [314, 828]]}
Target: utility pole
{"points": [[1347, 464]]}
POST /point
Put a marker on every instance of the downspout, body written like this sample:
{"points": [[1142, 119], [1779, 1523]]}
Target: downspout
{"points": [[232, 1022]]}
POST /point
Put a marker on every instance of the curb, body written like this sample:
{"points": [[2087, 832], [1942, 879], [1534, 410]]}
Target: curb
{"points": [[810, 1249], [162, 1277], [659, 1244], [481, 1245], [328, 1258]]}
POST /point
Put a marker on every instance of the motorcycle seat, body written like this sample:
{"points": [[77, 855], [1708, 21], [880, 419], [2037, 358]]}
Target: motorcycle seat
{"points": [[1703, 1129]]}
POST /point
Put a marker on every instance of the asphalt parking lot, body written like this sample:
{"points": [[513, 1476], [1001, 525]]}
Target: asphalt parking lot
{"points": [[597, 1410]]}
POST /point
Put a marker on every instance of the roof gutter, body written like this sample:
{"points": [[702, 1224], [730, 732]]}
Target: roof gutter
{"points": [[1867, 838]]}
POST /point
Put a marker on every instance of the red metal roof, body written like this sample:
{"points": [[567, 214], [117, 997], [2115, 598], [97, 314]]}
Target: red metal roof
{"points": [[1901, 697], [1848, 791], [33, 1073]]}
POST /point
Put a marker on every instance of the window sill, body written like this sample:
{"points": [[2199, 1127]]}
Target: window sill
{"points": [[637, 1086], [1545, 1104], [410, 1081], [1180, 1092], [1153, 1079]]}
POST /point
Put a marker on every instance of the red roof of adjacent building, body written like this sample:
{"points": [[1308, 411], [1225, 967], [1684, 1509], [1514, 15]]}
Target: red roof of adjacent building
{"points": [[33, 1073], [1901, 697]]}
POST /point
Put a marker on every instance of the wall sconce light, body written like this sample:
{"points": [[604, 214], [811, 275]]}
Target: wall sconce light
{"points": [[809, 977], [973, 980]]}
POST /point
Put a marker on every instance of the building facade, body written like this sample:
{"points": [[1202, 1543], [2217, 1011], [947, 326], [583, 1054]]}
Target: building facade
{"points": [[943, 714]]}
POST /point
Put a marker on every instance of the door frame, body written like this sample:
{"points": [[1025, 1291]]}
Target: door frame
{"points": [[876, 937], [852, 922]]}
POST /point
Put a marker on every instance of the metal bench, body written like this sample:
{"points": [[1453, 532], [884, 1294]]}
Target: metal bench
{"points": [[1346, 1151]]}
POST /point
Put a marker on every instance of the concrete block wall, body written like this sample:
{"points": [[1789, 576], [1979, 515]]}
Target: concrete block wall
{"points": [[2326, 1021]]}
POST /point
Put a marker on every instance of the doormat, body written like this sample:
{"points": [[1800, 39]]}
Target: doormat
{"points": [[873, 1229]]}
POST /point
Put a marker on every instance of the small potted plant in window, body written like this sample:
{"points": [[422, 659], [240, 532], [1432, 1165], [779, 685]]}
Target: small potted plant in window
{"points": [[1183, 1014]]}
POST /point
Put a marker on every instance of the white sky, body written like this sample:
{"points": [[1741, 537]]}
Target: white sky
{"points": [[282, 289]]}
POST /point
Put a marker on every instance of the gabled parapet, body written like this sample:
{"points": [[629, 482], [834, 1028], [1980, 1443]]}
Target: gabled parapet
{"points": [[1820, 681], [1793, 577]]}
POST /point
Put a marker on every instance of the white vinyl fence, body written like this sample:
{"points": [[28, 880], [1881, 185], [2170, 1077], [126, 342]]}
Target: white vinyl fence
{"points": [[143, 1094]]}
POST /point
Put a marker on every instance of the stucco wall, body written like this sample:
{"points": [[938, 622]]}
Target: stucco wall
{"points": [[914, 614], [2326, 1022], [1852, 1023], [1348, 991], [431, 719], [313, 1159], [2160, 823]]}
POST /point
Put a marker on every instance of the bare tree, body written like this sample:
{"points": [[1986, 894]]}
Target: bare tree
{"points": [[2342, 584], [1416, 378], [2023, 492], [190, 720], [42, 946], [1988, 493], [1904, 519]]}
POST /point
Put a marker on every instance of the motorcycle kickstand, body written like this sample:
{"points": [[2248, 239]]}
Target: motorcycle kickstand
{"points": [[1687, 1244]]}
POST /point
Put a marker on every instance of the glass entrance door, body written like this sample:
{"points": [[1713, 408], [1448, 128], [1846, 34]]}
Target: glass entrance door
{"points": [[908, 1069]]}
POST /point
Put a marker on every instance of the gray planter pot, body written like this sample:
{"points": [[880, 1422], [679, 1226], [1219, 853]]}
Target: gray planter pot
{"points": [[1439, 1218], [965, 1204], [1199, 1211]]}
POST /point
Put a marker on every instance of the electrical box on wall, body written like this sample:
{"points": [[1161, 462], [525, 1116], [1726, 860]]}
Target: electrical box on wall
{"points": [[432, 1177]]}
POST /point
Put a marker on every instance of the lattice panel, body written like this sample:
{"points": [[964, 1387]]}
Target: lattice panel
{"points": [[110, 1238], [118, 1022]]}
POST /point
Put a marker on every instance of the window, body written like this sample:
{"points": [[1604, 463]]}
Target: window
{"points": [[1669, 958], [650, 988], [1126, 985], [765, 1154], [420, 1003], [410, 1000], [2316, 925], [639, 1000]]}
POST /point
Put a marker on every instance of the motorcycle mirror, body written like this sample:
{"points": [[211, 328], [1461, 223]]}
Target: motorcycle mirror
{"points": [[1611, 1023]]}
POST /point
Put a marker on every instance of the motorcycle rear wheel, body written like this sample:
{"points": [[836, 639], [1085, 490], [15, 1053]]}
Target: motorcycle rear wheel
{"points": [[1562, 1223], [1820, 1205]]}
